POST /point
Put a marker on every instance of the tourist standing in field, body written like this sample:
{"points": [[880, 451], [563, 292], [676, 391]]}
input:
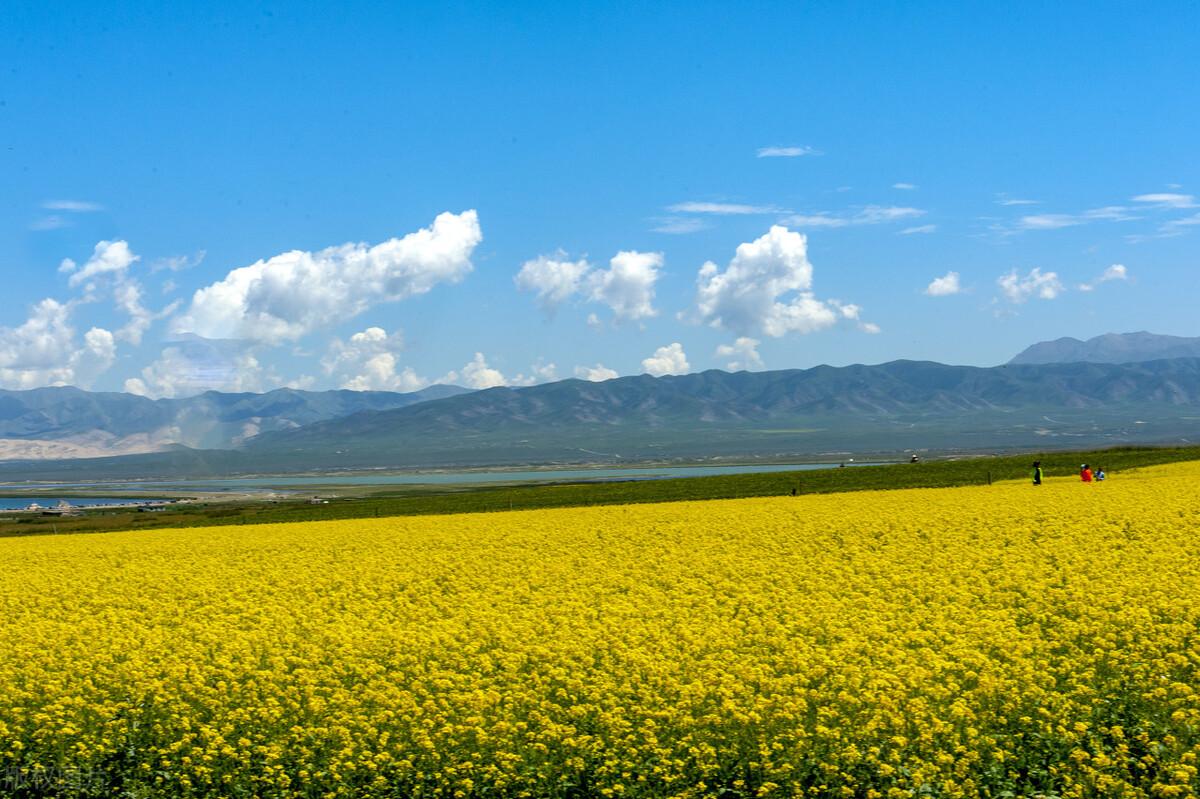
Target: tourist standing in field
{"points": [[1085, 473], [1037, 473], [1100, 475]]}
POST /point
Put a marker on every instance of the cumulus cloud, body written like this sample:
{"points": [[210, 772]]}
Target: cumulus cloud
{"points": [[193, 365], [128, 297], [108, 258], [108, 267], [668, 360], [292, 294], [541, 372], [944, 286], [476, 374], [554, 279], [767, 288], [852, 312], [743, 354], [368, 361], [44, 351], [787, 152], [1017, 289], [869, 215], [626, 286], [596, 373], [1114, 272], [380, 373]]}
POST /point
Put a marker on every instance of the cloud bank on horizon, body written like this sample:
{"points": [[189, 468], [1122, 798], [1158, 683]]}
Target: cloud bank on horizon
{"points": [[224, 337]]}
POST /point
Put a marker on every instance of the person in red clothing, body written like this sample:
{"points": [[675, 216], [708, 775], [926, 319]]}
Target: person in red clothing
{"points": [[1085, 473]]}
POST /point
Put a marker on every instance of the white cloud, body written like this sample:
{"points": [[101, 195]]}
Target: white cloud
{"points": [[476, 374], [908, 231], [178, 263], [1004, 199], [379, 373], [904, 186], [787, 152], [553, 278], [1109, 213], [194, 365], [109, 266], [668, 360], [627, 286], [596, 373], [722, 209], [128, 297], [852, 312], [767, 288], [1167, 200], [944, 286], [678, 225], [743, 352], [292, 294], [51, 222], [1114, 272], [74, 206], [1035, 284], [368, 361], [869, 215], [540, 372], [1177, 227], [43, 350], [108, 258]]}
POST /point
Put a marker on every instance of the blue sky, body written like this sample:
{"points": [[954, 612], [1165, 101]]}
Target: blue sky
{"points": [[859, 152]]}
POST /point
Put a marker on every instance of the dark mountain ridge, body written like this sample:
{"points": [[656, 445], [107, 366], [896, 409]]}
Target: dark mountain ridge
{"points": [[642, 413], [793, 415]]}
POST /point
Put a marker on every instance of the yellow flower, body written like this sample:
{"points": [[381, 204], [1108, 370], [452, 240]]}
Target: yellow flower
{"points": [[960, 642]]}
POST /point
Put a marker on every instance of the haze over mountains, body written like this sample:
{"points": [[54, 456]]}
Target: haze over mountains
{"points": [[795, 413], [65, 422], [1111, 348]]}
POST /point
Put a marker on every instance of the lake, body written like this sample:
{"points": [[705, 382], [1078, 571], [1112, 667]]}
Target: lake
{"points": [[258, 484], [50, 503]]}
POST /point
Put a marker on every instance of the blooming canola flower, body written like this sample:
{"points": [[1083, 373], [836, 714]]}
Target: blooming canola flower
{"points": [[968, 642]]}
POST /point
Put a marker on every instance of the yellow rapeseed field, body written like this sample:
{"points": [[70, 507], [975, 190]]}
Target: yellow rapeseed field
{"points": [[993, 641]]}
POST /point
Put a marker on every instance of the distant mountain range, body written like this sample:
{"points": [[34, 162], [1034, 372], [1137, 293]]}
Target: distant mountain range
{"points": [[71, 423], [793, 414], [1111, 348], [892, 406]]}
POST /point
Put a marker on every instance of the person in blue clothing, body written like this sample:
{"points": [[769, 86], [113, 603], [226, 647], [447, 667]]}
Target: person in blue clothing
{"points": [[1100, 475]]}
